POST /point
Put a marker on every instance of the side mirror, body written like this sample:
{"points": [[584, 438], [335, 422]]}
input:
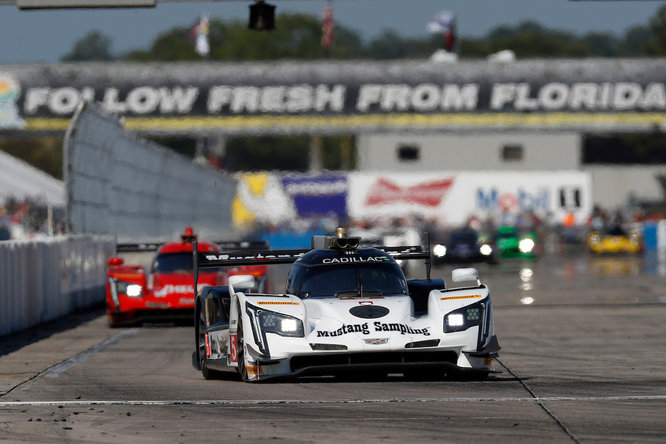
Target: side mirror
{"points": [[465, 274], [115, 261], [241, 281]]}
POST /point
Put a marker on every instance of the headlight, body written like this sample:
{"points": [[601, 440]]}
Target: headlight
{"points": [[595, 239], [464, 318], [283, 325], [486, 250], [439, 250], [526, 245], [128, 289]]}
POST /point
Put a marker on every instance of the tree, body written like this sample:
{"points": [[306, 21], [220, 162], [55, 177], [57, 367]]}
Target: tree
{"points": [[94, 46], [657, 44], [635, 41], [296, 36]]}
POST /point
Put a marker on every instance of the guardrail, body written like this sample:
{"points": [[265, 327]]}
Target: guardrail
{"points": [[41, 280]]}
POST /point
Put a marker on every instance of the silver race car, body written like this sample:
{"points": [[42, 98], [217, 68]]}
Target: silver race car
{"points": [[346, 311]]}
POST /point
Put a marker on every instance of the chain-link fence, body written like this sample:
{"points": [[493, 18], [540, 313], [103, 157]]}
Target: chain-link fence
{"points": [[121, 185]]}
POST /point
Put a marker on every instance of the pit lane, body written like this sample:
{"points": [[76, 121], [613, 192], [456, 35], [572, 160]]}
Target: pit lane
{"points": [[582, 361]]}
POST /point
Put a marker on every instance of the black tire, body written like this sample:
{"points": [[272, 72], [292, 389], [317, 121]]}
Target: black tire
{"points": [[240, 341], [200, 337]]}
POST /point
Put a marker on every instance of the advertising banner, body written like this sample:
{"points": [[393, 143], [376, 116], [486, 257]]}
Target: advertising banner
{"points": [[335, 97], [318, 196], [278, 199], [452, 198]]}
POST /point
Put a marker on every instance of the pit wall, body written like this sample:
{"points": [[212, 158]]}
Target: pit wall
{"points": [[41, 280]]}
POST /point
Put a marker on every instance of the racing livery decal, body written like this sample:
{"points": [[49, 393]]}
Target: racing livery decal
{"points": [[378, 326]]}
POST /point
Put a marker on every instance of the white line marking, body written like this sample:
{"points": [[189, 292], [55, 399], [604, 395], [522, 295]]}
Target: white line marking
{"points": [[331, 401], [82, 357]]}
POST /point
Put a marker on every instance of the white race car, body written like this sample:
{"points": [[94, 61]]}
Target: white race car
{"points": [[347, 311]]}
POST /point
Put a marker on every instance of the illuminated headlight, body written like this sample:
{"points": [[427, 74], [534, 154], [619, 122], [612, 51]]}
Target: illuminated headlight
{"points": [[486, 250], [455, 320], [595, 239], [283, 325], [439, 250], [464, 318], [526, 245], [130, 290]]}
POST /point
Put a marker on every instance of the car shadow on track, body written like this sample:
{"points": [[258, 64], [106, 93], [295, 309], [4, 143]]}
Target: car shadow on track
{"points": [[17, 340]]}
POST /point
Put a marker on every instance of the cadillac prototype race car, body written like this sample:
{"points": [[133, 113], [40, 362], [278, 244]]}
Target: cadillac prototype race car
{"points": [[165, 292], [346, 310]]}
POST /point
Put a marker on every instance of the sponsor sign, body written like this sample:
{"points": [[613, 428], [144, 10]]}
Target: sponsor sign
{"points": [[453, 197], [9, 94], [276, 97], [315, 196], [151, 99]]}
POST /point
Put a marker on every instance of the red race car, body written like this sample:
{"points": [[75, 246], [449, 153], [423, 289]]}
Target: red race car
{"points": [[166, 291]]}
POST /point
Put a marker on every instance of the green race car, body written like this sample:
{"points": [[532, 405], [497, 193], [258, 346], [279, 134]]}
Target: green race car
{"points": [[511, 244]]}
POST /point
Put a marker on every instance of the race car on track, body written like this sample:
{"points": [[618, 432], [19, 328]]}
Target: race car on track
{"points": [[512, 244], [615, 241], [464, 245], [165, 292], [346, 310]]}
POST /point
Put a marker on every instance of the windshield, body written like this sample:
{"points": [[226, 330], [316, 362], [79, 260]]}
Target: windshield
{"points": [[351, 281], [174, 263]]}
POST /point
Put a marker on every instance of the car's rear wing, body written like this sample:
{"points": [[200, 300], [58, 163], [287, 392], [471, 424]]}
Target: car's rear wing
{"points": [[272, 257], [141, 247]]}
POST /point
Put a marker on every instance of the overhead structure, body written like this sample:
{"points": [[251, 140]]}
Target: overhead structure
{"points": [[339, 97], [67, 4]]}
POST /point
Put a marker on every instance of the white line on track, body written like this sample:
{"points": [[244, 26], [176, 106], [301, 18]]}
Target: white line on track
{"points": [[236, 402]]}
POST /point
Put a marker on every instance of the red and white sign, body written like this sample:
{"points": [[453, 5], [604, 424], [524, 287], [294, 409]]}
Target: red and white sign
{"points": [[451, 198], [387, 192]]}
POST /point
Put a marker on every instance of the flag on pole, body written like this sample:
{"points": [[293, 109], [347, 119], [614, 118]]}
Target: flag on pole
{"points": [[199, 35], [327, 26], [445, 22]]}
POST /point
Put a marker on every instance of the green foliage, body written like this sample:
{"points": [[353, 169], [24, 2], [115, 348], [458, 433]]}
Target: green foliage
{"points": [[657, 44], [94, 46], [290, 153], [44, 153], [298, 37]]}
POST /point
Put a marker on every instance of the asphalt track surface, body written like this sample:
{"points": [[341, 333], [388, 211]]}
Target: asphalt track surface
{"points": [[583, 360]]}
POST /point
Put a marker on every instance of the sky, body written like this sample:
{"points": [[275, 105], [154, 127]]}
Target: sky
{"points": [[44, 36]]}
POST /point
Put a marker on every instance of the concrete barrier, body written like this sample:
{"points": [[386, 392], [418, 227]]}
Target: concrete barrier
{"points": [[41, 280]]}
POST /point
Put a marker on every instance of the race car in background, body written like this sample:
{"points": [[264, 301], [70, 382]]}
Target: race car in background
{"points": [[393, 236], [464, 245], [616, 240], [512, 244], [347, 310], [165, 291]]}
